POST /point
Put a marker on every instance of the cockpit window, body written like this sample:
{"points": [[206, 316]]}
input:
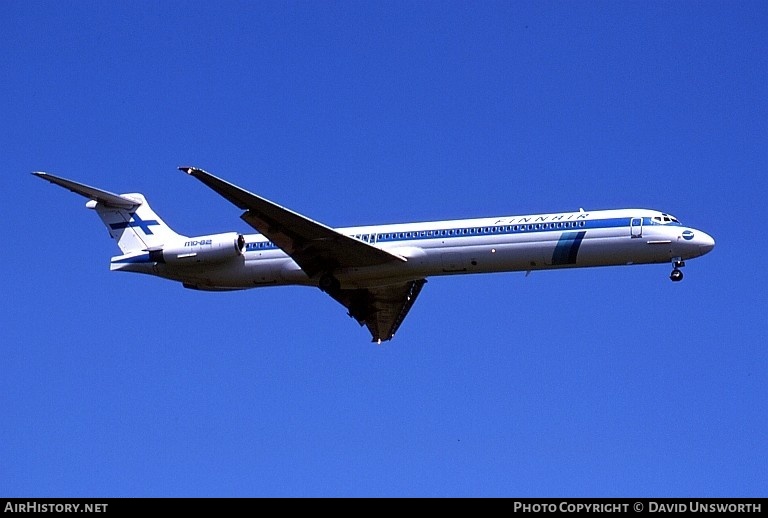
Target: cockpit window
{"points": [[665, 219]]}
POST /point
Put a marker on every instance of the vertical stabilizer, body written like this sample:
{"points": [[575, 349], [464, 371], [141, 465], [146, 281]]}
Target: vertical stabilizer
{"points": [[138, 228], [128, 217]]}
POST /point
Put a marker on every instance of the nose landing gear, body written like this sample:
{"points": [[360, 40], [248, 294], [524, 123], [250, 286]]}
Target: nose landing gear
{"points": [[677, 275]]}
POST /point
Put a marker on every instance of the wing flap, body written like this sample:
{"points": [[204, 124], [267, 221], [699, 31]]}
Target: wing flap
{"points": [[383, 309]]}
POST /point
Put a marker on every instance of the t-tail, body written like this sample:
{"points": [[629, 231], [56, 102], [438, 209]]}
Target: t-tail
{"points": [[138, 230]]}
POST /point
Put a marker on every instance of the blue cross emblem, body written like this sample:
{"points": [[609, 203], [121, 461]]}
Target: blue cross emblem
{"points": [[136, 221]]}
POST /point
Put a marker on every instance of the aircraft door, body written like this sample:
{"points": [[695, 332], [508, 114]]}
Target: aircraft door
{"points": [[636, 227]]}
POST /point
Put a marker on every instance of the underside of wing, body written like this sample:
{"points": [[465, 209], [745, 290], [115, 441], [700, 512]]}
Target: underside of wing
{"points": [[381, 309], [319, 249], [315, 247]]}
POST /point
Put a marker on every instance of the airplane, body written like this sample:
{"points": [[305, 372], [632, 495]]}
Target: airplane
{"points": [[377, 272]]}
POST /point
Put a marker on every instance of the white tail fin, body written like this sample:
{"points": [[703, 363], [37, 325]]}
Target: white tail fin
{"points": [[137, 228], [128, 217]]}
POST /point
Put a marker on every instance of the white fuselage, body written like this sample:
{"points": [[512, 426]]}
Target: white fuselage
{"points": [[503, 244], [377, 272]]}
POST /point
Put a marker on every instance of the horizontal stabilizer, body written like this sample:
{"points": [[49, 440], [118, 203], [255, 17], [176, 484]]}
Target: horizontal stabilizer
{"points": [[103, 197]]}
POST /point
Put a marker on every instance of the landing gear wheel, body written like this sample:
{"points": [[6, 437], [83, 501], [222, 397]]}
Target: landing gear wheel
{"points": [[676, 275]]}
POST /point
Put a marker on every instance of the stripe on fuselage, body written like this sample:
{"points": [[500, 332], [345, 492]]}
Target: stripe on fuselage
{"points": [[567, 247]]}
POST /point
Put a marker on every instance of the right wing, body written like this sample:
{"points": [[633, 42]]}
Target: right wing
{"points": [[319, 249], [315, 247]]}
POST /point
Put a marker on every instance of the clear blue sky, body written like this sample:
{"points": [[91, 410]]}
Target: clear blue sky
{"points": [[593, 382]]}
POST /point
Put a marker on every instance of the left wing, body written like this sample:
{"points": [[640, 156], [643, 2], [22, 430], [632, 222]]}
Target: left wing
{"points": [[382, 309], [316, 248]]}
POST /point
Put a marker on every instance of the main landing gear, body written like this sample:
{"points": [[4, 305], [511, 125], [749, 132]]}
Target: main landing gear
{"points": [[677, 275], [329, 284]]}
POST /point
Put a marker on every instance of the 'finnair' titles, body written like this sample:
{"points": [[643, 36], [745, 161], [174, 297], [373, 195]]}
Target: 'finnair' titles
{"points": [[377, 272], [536, 219]]}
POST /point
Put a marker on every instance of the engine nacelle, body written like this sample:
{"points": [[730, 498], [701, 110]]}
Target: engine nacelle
{"points": [[212, 249]]}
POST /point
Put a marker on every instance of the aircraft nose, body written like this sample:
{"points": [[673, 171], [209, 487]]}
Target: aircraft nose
{"points": [[706, 243], [695, 243]]}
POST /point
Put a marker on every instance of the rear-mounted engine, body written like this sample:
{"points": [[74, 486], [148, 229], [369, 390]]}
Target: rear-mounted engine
{"points": [[216, 248]]}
